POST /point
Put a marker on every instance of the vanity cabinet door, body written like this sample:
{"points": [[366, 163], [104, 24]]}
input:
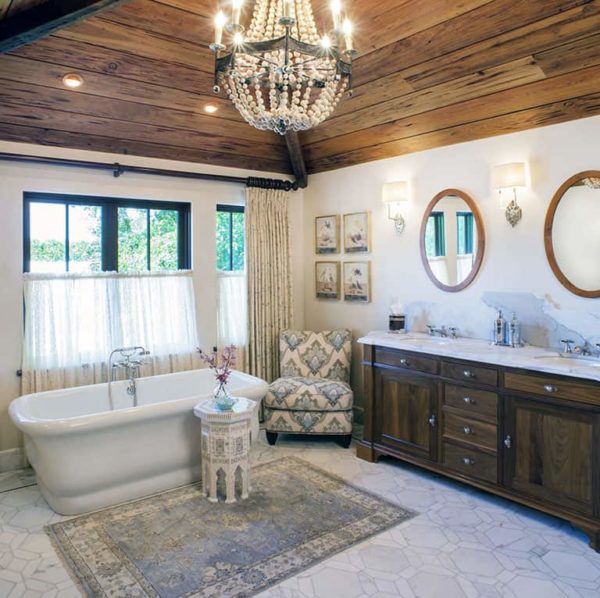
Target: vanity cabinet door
{"points": [[406, 413], [551, 453]]}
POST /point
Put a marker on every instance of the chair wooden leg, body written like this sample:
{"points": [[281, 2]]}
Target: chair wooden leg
{"points": [[272, 438], [346, 440]]}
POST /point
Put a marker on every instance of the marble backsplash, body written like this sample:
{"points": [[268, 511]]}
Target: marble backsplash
{"points": [[543, 322]]}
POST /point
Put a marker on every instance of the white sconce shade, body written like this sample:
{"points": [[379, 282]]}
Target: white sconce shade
{"points": [[510, 176], [393, 194]]}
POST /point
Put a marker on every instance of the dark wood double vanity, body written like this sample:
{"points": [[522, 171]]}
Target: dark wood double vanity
{"points": [[526, 435]]}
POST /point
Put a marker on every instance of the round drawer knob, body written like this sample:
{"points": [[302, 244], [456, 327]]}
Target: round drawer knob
{"points": [[468, 401], [468, 430], [404, 361], [468, 461], [550, 388], [469, 374]]}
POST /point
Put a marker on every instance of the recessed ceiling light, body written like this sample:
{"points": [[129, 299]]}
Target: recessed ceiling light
{"points": [[72, 80], [210, 108]]}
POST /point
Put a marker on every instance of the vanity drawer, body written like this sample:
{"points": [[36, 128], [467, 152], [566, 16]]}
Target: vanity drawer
{"points": [[474, 402], [404, 360], [551, 387], [470, 462], [478, 433], [472, 373]]}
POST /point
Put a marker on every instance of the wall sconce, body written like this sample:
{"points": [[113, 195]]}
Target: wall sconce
{"points": [[510, 176], [393, 195]]}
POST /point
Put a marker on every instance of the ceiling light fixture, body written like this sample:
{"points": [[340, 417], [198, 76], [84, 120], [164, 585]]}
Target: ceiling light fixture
{"points": [[210, 108], [279, 72], [72, 80]]}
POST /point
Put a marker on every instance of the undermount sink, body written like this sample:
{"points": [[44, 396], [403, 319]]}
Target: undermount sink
{"points": [[569, 361], [423, 341]]}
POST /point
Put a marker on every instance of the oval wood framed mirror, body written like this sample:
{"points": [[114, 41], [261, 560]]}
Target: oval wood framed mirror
{"points": [[452, 240], [572, 234]]}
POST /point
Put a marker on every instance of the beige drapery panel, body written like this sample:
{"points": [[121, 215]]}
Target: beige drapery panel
{"points": [[269, 278]]}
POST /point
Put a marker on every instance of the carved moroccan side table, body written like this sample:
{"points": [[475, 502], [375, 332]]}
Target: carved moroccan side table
{"points": [[225, 448]]}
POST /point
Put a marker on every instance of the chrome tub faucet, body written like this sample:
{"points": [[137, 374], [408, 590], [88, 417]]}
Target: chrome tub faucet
{"points": [[130, 360]]}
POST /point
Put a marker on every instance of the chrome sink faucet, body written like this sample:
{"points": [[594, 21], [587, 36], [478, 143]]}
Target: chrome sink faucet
{"points": [[585, 350], [130, 360], [442, 331]]}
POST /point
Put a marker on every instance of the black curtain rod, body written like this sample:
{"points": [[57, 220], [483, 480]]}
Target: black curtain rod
{"points": [[119, 169]]}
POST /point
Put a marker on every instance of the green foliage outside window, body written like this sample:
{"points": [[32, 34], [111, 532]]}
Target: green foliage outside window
{"points": [[230, 239], [85, 253]]}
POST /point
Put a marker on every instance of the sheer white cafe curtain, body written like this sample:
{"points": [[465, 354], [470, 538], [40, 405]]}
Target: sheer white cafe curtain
{"points": [[232, 314], [74, 321]]}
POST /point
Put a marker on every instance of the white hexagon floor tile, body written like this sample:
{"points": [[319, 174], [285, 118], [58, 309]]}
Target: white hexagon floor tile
{"points": [[463, 543]]}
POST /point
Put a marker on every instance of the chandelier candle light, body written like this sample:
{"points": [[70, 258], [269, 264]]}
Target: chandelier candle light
{"points": [[278, 72]]}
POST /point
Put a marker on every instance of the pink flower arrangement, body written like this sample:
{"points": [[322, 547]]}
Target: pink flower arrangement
{"points": [[221, 364]]}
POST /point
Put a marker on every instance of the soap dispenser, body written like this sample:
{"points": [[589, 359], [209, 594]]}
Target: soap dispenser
{"points": [[499, 333], [514, 332]]}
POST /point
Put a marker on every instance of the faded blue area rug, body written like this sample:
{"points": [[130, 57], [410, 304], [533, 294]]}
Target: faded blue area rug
{"points": [[178, 544]]}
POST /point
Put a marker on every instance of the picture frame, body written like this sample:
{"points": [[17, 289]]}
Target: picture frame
{"points": [[357, 282], [357, 232], [327, 234], [327, 280]]}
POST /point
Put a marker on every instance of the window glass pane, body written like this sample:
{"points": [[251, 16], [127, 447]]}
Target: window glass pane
{"points": [[223, 240], [47, 228], [85, 233], [237, 234], [163, 240], [133, 239], [464, 229], [435, 242]]}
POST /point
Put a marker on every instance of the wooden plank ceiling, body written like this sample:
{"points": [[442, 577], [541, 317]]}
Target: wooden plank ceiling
{"points": [[428, 74]]}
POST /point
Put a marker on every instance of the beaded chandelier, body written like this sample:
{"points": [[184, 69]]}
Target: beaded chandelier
{"points": [[278, 72]]}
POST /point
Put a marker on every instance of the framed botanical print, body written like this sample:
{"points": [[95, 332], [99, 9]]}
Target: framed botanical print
{"points": [[357, 232], [357, 282], [327, 234], [327, 280]]}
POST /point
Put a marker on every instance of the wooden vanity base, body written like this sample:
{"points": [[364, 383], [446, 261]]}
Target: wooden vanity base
{"points": [[526, 436]]}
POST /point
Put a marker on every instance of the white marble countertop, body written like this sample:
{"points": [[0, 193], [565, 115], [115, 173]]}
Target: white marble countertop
{"points": [[528, 357]]}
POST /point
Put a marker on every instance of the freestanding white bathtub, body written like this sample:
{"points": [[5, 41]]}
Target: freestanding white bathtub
{"points": [[88, 456]]}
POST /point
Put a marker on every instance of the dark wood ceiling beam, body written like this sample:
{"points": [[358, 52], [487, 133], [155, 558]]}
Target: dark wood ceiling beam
{"points": [[4, 7], [42, 20], [560, 88], [41, 136], [558, 112], [296, 158]]}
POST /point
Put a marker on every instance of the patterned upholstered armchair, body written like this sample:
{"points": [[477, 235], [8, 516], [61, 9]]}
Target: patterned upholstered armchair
{"points": [[313, 395]]}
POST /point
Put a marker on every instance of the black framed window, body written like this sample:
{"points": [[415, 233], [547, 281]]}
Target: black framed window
{"points": [[464, 232], [435, 239], [68, 233], [230, 238]]}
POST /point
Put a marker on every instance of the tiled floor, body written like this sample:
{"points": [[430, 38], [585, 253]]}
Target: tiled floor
{"points": [[463, 543]]}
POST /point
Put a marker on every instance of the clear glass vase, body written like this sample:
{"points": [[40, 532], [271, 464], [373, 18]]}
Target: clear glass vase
{"points": [[222, 399]]}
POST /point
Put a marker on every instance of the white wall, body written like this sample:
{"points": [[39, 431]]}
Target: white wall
{"points": [[514, 272], [204, 195]]}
